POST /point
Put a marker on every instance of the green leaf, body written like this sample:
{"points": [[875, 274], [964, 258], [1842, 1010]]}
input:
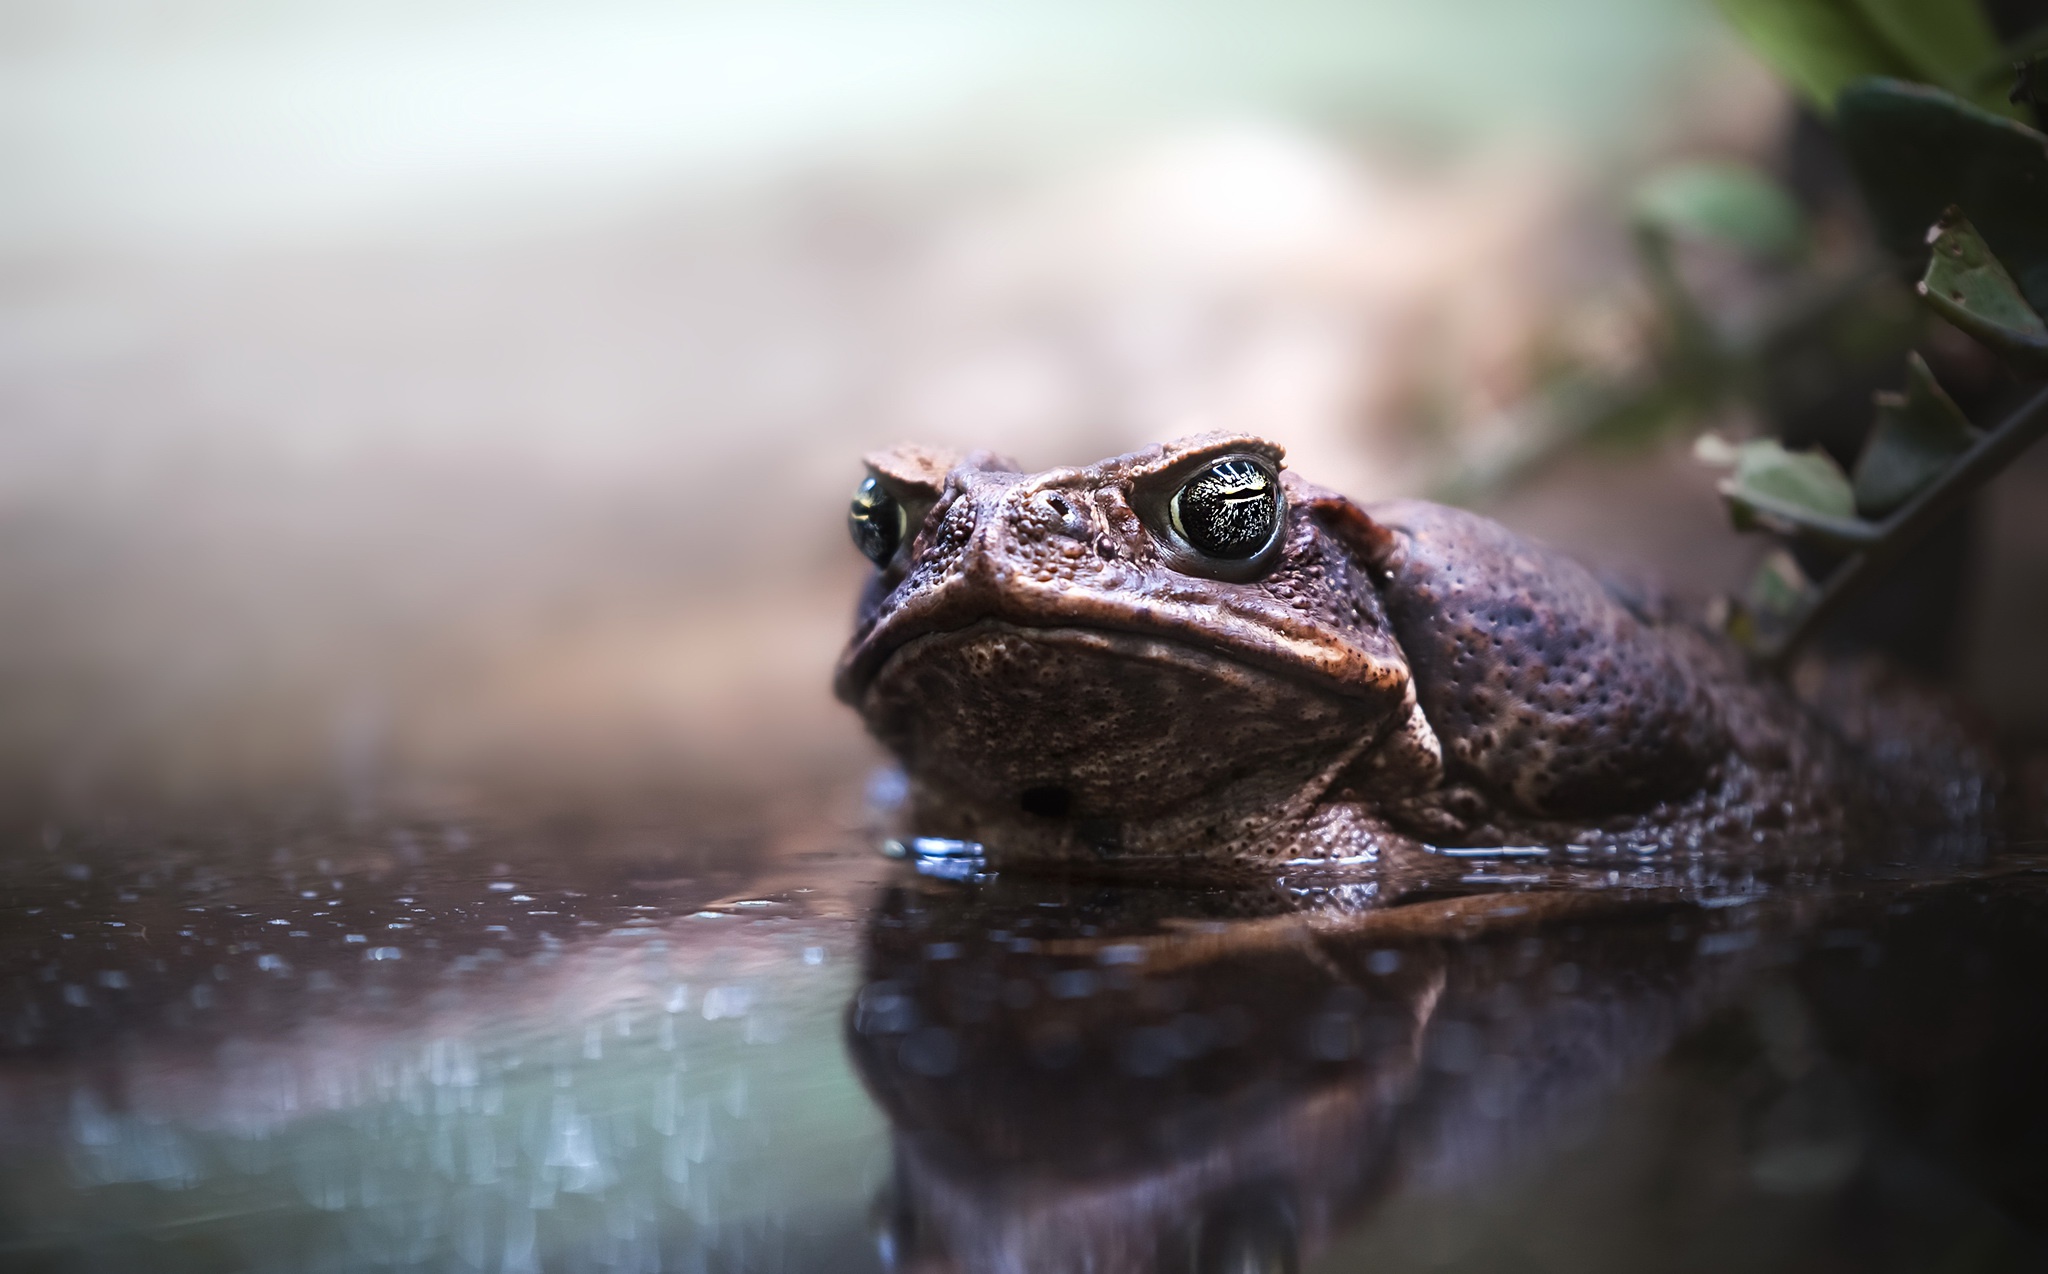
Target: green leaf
{"points": [[1771, 606], [1916, 151], [1768, 477], [1969, 287], [1776, 591], [1819, 45], [1918, 435], [1822, 45], [1729, 203], [1945, 41]]}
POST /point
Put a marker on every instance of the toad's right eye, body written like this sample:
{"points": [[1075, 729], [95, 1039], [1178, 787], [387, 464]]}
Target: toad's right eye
{"points": [[876, 521]]}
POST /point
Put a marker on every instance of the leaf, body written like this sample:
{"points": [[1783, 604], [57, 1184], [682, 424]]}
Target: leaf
{"points": [[1770, 606], [1918, 435], [1917, 150], [1819, 45], [1969, 287], [1822, 45], [1777, 590], [1731, 203], [1945, 41], [1768, 477]]}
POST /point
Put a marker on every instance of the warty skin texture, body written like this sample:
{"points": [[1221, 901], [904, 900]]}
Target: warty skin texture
{"points": [[1069, 682]]}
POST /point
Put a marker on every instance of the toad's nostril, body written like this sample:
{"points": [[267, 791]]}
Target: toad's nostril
{"points": [[1066, 518]]}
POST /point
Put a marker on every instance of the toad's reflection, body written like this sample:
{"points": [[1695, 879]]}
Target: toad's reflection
{"points": [[1091, 1079]]}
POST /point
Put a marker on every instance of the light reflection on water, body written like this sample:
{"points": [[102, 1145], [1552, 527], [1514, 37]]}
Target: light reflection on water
{"points": [[622, 1136], [497, 1085], [433, 1048]]}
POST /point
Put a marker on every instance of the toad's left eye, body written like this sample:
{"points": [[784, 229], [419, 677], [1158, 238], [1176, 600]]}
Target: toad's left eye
{"points": [[876, 521], [1228, 510]]}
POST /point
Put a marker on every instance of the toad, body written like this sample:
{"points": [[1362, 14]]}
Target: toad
{"points": [[1189, 657]]}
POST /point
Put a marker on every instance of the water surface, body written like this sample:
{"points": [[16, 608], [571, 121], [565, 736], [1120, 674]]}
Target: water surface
{"points": [[457, 1044]]}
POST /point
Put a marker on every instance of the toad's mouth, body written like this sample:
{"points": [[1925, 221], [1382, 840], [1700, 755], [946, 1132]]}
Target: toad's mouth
{"points": [[1081, 721], [1286, 645]]}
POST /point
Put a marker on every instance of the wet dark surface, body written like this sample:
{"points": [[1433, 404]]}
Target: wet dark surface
{"points": [[540, 1043]]}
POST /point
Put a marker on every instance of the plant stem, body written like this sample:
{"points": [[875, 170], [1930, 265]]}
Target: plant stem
{"points": [[1912, 521], [1836, 533]]}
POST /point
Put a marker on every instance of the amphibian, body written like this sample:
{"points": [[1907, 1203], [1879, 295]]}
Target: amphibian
{"points": [[1189, 656]]}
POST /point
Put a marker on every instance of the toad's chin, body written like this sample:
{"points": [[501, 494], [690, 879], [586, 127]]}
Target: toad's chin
{"points": [[1086, 723]]}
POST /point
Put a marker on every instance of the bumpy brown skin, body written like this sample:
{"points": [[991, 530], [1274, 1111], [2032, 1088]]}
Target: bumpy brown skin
{"points": [[1070, 684]]}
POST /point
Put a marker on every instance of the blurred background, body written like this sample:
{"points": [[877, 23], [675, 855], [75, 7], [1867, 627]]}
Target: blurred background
{"points": [[404, 400]]}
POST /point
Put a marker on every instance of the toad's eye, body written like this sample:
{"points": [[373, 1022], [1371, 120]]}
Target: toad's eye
{"points": [[876, 521], [1228, 510]]}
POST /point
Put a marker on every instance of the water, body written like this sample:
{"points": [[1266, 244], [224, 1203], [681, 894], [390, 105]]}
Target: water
{"points": [[555, 1044]]}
